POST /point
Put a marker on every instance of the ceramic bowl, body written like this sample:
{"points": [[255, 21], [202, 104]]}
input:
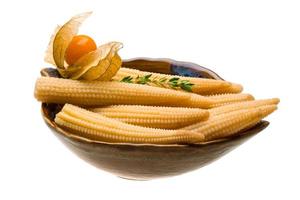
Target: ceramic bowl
{"points": [[148, 161]]}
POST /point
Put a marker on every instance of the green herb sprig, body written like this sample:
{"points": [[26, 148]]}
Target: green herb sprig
{"points": [[175, 82]]}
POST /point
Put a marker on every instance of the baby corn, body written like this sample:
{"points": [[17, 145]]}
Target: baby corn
{"points": [[97, 127], [97, 93], [154, 116], [223, 99], [233, 88], [226, 109], [242, 105], [228, 124], [201, 85]]}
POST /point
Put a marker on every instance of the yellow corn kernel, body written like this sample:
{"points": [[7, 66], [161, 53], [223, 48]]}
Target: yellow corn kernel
{"points": [[97, 127], [201, 85], [154, 116], [231, 123]]}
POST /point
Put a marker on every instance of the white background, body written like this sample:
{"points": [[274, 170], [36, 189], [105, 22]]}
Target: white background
{"points": [[256, 43]]}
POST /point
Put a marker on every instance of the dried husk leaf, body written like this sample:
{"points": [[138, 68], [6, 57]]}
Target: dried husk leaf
{"points": [[49, 52], [63, 38], [101, 64]]}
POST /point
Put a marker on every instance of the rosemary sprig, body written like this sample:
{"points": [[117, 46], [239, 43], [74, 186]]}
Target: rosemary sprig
{"points": [[143, 79], [127, 79], [175, 82]]}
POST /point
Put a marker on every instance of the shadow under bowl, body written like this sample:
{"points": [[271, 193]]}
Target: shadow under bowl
{"points": [[148, 161]]}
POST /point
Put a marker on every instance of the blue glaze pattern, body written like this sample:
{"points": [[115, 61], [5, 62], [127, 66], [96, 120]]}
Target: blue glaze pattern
{"points": [[185, 71], [170, 66]]}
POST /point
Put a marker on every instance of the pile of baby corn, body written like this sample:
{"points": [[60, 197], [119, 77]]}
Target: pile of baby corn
{"points": [[115, 111]]}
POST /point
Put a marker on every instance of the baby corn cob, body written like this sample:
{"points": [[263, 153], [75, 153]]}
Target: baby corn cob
{"points": [[93, 93], [97, 127], [228, 124], [226, 109], [223, 99], [201, 85], [154, 116], [242, 105], [233, 88]]}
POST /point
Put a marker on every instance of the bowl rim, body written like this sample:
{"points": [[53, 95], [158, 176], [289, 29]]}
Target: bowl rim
{"points": [[191, 65]]}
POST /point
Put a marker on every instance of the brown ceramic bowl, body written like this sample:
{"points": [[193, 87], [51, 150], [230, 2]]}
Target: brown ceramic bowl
{"points": [[148, 161]]}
